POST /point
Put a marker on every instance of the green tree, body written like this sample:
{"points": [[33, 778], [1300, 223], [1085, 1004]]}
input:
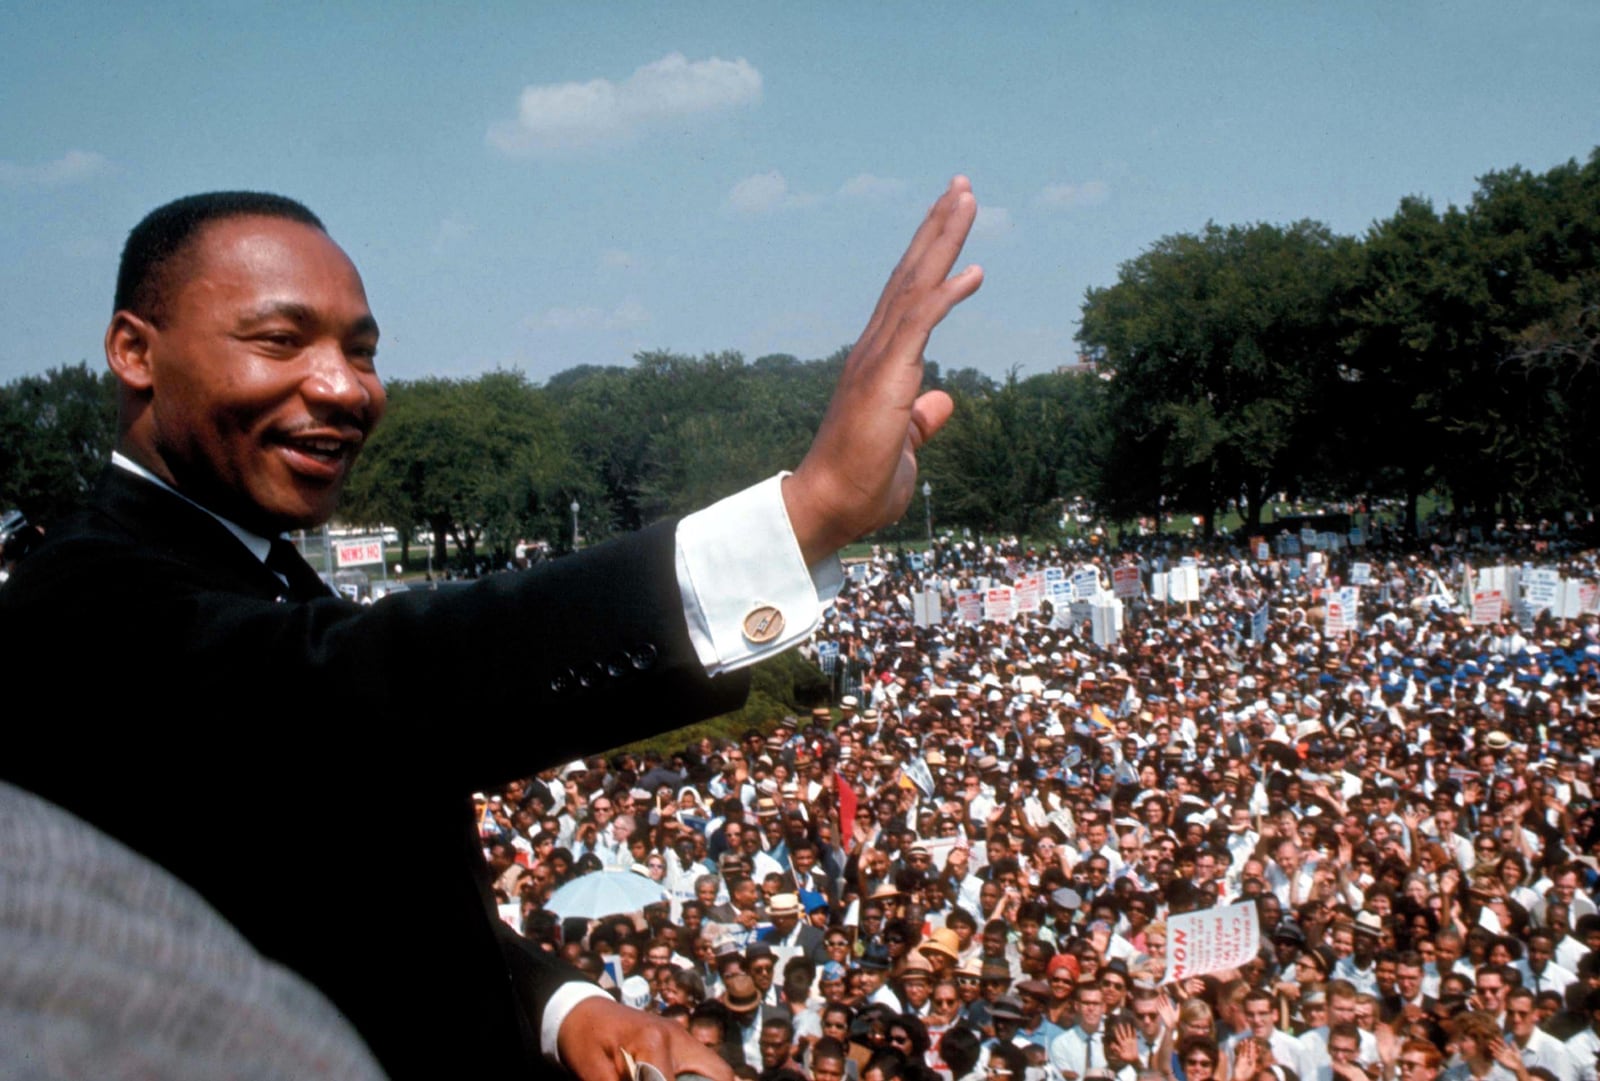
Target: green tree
{"points": [[1472, 333], [1222, 349], [56, 432], [1009, 454], [474, 461]]}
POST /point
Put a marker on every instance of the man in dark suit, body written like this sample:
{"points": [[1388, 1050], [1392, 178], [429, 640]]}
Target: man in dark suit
{"points": [[232, 712]]}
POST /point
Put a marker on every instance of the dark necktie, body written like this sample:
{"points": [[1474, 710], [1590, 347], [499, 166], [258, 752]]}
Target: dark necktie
{"points": [[284, 561]]}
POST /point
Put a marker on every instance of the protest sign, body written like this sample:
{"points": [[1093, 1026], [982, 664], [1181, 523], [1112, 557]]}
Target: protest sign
{"points": [[1258, 625], [997, 604], [1350, 602], [969, 603], [1085, 583], [1106, 622], [1184, 584], [1486, 605], [1158, 588], [1211, 940], [1540, 587], [1361, 574], [1030, 590], [1569, 601], [1125, 582], [1259, 547]]}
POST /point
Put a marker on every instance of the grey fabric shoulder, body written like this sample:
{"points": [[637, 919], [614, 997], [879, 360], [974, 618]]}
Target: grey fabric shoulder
{"points": [[111, 968]]}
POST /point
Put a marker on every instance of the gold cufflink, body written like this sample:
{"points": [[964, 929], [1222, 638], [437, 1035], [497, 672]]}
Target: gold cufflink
{"points": [[763, 624]]}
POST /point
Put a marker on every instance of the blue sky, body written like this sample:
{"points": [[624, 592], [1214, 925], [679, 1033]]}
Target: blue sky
{"points": [[537, 186]]}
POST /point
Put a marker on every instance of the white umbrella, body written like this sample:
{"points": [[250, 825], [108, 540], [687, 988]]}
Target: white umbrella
{"points": [[606, 893]]}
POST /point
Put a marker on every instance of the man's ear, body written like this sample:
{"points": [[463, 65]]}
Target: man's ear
{"points": [[128, 347]]}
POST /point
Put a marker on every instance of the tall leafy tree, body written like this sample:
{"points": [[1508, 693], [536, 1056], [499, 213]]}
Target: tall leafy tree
{"points": [[1222, 350], [1009, 454], [56, 434], [473, 460]]}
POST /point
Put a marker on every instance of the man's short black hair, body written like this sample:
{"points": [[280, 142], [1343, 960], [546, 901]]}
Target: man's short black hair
{"points": [[144, 278]]}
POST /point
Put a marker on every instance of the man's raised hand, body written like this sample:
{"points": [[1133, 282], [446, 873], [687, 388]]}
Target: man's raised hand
{"points": [[861, 470]]}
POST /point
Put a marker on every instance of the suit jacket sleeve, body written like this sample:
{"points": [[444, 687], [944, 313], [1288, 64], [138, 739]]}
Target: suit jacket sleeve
{"points": [[472, 685]]}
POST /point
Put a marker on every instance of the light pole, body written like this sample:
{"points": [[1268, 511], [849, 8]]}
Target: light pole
{"points": [[927, 506], [574, 525]]}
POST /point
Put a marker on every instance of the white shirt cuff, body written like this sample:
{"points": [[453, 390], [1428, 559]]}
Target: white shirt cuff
{"points": [[747, 592], [556, 1009]]}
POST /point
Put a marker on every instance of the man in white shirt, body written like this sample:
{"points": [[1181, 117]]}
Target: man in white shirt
{"points": [[1083, 1046], [1289, 875], [1261, 1015], [1584, 1047], [1539, 969], [1537, 1047]]}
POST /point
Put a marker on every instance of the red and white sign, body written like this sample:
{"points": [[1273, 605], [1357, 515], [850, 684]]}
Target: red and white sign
{"points": [[1486, 606], [997, 604], [1211, 940], [358, 552], [1125, 582], [1030, 591], [969, 602]]}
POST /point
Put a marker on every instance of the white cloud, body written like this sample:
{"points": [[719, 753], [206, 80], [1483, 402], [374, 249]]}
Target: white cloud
{"points": [[69, 168], [572, 116], [629, 313], [1072, 196], [764, 193], [992, 223], [867, 186]]}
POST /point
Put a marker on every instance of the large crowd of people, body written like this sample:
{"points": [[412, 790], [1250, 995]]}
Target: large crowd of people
{"points": [[965, 864]]}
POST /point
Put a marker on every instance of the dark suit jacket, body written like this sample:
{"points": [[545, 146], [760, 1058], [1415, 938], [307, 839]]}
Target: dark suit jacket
{"points": [[306, 765]]}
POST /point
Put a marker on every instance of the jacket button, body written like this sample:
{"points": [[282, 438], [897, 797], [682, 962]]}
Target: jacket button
{"points": [[644, 657], [618, 665], [564, 682]]}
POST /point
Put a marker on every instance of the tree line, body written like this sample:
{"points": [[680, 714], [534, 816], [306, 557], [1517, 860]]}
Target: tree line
{"points": [[1444, 350]]}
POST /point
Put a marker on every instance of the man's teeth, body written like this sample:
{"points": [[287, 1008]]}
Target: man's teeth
{"points": [[320, 446]]}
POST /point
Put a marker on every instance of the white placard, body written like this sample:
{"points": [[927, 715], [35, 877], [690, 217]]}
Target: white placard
{"points": [[998, 604], [1211, 940], [1184, 584], [1030, 590]]}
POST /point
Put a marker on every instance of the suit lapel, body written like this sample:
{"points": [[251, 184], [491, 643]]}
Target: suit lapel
{"points": [[179, 530]]}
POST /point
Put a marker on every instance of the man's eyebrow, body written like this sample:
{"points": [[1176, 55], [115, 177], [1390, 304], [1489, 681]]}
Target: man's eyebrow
{"points": [[301, 315]]}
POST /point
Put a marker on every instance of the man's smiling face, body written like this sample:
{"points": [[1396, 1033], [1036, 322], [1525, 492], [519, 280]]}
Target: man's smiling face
{"points": [[257, 387]]}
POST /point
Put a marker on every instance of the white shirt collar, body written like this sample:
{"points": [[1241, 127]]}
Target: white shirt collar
{"points": [[259, 546]]}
